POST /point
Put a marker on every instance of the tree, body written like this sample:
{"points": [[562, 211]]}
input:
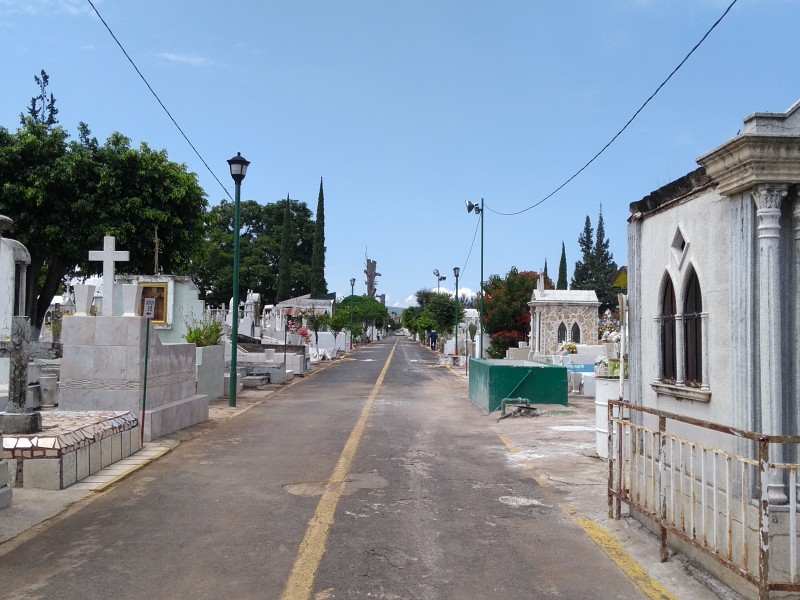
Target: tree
{"points": [[544, 272], [338, 322], [507, 317], [261, 228], [597, 268], [65, 196], [316, 322], [442, 310], [318, 285], [562, 270], [604, 267], [582, 275], [284, 263], [42, 110], [367, 312]]}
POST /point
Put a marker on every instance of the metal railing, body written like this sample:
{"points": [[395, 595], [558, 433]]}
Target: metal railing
{"points": [[710, 486]]}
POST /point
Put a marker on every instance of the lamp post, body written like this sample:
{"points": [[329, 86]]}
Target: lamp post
{"points": [[439, 279], [479, 211], [456, 272], [352, 285], [238, 165]]}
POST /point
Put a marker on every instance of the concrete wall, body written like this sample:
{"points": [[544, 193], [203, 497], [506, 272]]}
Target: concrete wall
{"points": [[103, 369], [707, 251]]}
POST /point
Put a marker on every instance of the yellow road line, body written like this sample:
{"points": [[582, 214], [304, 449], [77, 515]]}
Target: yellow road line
{"points": [[605, 540], [300, 583], [614, 550]]}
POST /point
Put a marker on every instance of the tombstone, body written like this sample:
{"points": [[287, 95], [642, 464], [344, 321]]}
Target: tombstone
{"points": [[109, 256], [103, 368]]}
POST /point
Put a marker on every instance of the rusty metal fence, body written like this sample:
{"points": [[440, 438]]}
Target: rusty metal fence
{"points": [[722, 491]]}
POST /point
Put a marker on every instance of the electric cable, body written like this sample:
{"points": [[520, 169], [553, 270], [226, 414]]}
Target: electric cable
{"points": [[152, 91], [636, 114]]}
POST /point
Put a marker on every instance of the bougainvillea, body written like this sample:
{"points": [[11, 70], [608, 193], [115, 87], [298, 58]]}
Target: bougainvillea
{"points": [[507, 316]]}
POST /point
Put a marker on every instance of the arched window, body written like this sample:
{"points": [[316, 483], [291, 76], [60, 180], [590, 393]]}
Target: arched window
{"points": [[576, 333], [562, 333], [693, 331], [669, 371]]}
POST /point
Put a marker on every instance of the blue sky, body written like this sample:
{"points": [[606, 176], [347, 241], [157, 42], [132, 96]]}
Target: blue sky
{"points": [[407, 109]]}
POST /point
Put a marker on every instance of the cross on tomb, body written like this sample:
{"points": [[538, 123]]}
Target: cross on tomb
{"points": [[108, 255]]}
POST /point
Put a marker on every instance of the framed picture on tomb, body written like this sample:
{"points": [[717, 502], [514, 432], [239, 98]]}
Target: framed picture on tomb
{"points": [[157, 291]]}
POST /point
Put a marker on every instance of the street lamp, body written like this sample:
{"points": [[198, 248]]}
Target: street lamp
{"points": [[439, 279], [456, 272], [479, 211], [352, 285], [238, 165]]}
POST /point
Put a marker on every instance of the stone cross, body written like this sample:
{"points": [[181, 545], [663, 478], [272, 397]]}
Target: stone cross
{"points": [[108, 255]]}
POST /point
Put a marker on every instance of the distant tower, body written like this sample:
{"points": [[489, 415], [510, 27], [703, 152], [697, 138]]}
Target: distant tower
{"points": [[371, 274]]}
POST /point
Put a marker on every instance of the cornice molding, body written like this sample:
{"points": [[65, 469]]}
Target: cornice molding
{"points": [[749, 160]]}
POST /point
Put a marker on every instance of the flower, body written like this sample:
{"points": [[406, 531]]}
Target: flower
{"points": [[601, 361], [568, 347], [305, 334], [611, 336]]}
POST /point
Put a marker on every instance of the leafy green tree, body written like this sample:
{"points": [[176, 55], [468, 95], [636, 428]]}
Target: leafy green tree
{"points": [[65, 196], [338, 322], [367, 312], [316, 322], [562, 270], [284, 272], [409, 318], [318, 285], [507, 318], [442, 310], [261, 229]]}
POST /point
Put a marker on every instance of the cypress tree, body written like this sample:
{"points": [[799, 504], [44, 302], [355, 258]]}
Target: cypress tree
{"points": [[544, 272], [604, 267], [582, 275], [318, 285], [562, 270], [283, 291]]}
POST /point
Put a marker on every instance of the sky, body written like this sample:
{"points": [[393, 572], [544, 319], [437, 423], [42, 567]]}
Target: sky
{"points": [[408, 109]]}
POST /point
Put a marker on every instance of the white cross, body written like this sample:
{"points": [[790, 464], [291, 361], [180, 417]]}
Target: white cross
{"points": [[109, 256]]}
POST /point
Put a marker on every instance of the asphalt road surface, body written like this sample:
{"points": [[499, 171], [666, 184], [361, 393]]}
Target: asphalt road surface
{"points": [[373, 478]]}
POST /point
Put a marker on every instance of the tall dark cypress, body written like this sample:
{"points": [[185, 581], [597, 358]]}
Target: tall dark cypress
{"points": [[562, 270], [544, 272], [582, 275], [285, 261], [318, 285], [604, 267]]}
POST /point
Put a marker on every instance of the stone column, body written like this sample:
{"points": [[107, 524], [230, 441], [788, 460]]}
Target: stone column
{"points": [[705, 386], [768, 204], [680, 350], [659, 348]]}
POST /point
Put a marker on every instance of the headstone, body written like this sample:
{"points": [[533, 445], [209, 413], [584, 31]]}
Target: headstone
{"points": [[108, 255]]}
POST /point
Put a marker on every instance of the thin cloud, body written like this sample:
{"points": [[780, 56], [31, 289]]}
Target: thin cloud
{"points": [[193, 60]]}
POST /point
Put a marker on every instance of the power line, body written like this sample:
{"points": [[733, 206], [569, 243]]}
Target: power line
{"points": [[152, 91], [474, 236], [636, 114]]}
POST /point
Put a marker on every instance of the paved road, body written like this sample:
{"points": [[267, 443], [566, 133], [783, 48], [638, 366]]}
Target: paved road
{"points": [[371, 479]]}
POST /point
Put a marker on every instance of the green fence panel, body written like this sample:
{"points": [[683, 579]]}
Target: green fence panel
{"points": [[492, 381]]}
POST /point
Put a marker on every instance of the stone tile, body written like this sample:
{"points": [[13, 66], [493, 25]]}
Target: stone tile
{"points": [[43, 473], [110, 363], [3, 473], [69, 469], [136, 439], [5, 497], [125, 436], [111, 332], [116, 447], [95, 458], [78, 331], [105, 451], [82, 456], [12, 472]]}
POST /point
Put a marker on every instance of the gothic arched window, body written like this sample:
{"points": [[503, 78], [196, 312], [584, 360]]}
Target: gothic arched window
{"points": [[576, 333], [562, 333], [693, 331], [669, 370]]}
